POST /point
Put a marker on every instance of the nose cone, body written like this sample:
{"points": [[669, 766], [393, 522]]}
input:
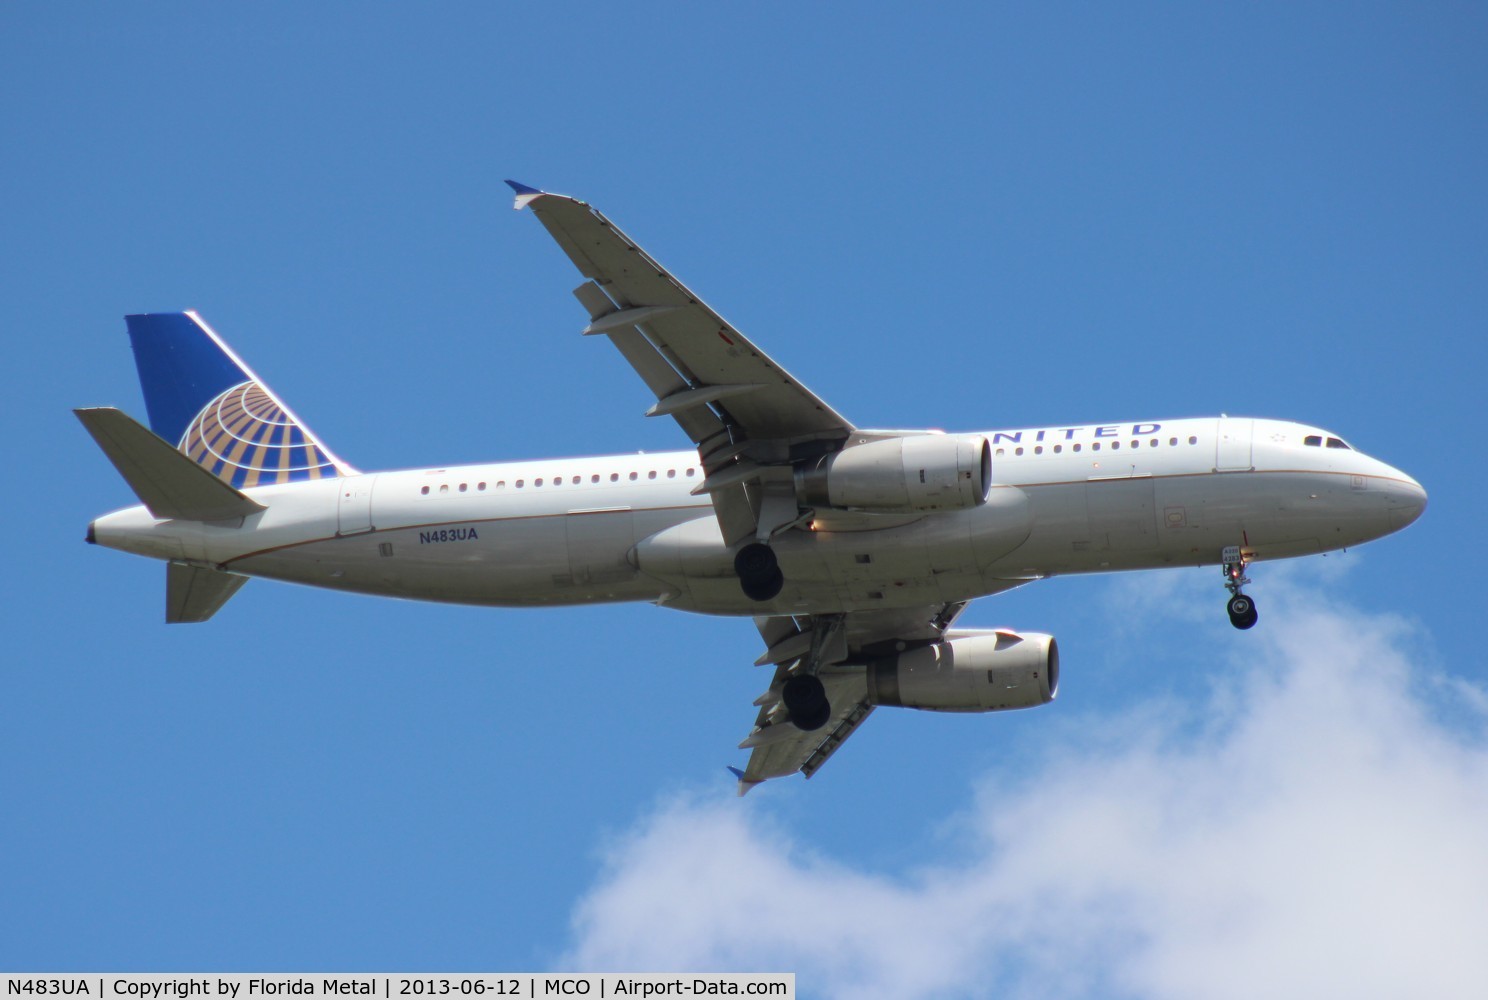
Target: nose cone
{"points": [[1407, 500]]}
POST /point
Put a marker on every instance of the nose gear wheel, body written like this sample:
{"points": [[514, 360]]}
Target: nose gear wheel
{"points": [[1241, 607]]}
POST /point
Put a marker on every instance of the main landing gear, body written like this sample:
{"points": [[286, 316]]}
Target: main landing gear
{"points": [[1241, 608], [806, 701], [759, 572], [803, 694]]}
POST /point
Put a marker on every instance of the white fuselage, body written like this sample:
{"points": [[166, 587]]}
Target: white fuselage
{"points": [[627, 527]]}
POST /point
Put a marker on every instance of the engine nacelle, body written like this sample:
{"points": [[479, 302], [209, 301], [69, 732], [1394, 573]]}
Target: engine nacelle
{"points": [[972, 672], [919, 473]]}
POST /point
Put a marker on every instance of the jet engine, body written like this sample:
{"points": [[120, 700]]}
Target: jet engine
{"points": [[973, 671], [919, 473]]}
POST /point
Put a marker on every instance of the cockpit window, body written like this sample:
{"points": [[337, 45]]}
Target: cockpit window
{"points": [[1313, 441], [1335, 443]]}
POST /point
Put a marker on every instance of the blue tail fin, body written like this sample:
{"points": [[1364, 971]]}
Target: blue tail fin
{"points": [[205, 401]]}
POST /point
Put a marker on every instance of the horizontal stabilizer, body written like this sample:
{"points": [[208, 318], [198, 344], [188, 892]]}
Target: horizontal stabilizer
{"points": [[166, 481], [194, 593]]}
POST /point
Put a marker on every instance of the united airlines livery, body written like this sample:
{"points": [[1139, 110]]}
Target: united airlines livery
{"points": [[854, 550]]}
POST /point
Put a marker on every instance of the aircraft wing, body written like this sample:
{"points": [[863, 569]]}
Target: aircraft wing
{"points": [[780, 749], [739, 407], [839, 645]]}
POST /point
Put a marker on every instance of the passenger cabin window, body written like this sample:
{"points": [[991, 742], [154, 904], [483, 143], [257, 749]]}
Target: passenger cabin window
{"points": [[425, 491]]}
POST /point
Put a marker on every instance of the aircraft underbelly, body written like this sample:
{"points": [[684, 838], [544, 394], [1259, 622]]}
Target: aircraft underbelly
{"points": [[1121, 513], [572, 559], [936, 559], [598, 544], [1150, 522], [1273, 514]]}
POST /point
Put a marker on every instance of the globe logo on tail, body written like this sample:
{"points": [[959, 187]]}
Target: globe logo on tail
{"points": [[245, 437]]}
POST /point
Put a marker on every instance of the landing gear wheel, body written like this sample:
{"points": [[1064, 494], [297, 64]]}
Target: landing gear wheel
{"points": [[806, 700], [1241, 608], [759, 572], [1242, 611], [763, 590]]}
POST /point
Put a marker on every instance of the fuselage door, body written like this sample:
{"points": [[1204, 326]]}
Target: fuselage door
{"points": [[354, 515], [1232, 445]]}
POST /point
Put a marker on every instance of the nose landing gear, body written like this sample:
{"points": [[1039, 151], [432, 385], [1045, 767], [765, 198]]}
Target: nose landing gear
{"points": [[1241, 608]]}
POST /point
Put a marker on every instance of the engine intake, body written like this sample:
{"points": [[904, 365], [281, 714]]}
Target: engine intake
{"points": [[974, 672], [919, 473]]}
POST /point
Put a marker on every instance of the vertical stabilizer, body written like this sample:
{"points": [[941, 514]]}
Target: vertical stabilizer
{"points": [[207, 403]]}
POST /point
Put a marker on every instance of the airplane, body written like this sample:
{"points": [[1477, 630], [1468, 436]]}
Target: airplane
{"points": [[854, 550]]}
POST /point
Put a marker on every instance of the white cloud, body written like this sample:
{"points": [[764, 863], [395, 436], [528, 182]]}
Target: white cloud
{"points": [[1315, 828]]}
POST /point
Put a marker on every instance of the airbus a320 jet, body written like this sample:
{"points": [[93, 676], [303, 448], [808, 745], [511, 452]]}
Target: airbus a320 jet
{"points": [[854, 550]]}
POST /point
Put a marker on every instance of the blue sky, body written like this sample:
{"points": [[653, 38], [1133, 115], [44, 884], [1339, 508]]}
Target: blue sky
{"points": [[965, 218]]}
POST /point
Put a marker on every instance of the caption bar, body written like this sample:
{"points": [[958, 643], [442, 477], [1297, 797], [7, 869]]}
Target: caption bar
{"points": [[396, 986]]}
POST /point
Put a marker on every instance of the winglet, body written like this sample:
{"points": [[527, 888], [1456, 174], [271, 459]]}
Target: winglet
{"points": [[745, 784], [525, 195]]}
